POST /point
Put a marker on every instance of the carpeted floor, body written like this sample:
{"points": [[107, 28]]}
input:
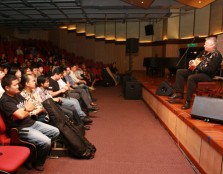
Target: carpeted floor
{"points": [[129, 140]]}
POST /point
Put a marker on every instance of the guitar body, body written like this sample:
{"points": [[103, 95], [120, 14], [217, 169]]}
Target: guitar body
{"points": [[194, 63]]}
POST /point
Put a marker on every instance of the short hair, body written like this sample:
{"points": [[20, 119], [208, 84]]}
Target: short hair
{"points": [[57, 70], [33, 67], [13, 70], [24, 79], [41, 79], [213, 40], [7, 80]]}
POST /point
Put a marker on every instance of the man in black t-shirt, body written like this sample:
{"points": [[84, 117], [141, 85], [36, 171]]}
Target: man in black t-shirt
{"points": [[69, 103], [16, 111]]}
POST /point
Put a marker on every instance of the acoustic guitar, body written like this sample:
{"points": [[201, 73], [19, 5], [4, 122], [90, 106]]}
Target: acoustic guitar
{"points": [[194, 63]]}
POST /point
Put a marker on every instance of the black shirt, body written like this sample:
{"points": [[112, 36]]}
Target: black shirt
{"points": [[8, 105], [211, 62], [54, 86]]}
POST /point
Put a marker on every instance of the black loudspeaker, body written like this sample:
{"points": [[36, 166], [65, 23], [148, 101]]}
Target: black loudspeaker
{"points": [[133, 90], [149, 30], [132, 45], [165, 89], [208, 109]]}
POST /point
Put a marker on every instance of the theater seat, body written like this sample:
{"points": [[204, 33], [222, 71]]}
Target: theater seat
{"points": [[12, 157], [14, 140]]}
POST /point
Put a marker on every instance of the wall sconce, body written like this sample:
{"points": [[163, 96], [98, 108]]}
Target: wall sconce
{"points": [[71, 27]]}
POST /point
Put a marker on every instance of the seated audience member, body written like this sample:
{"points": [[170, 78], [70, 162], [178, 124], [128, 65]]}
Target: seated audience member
{"points": [[74, 85], [19, 51], [42, 91], [202, 69], [29, 85], [39, 59], [15, 63], [4, 60], [16, 72], [82, 92], [16, 110], [40, 70], [35, 71], [2, 74], [114, 71], [26, 70], [88, 76], [50, 61], [69, 103]]}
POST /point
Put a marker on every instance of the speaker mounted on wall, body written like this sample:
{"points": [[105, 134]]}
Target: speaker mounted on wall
{"points": [[149, 30], [196, 3], [143, 4]]}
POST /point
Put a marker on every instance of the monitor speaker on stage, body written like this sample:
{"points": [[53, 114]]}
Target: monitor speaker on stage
{"points": [[149, 30], [165, 89], [208, 109], [132, 45]]}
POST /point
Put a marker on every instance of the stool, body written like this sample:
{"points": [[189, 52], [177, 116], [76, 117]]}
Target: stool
{"points": [[206, 89]]}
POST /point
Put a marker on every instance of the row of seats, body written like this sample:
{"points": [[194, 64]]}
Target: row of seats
{"points": [[13, 151]]}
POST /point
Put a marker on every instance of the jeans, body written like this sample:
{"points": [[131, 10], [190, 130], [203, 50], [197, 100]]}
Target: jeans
{"points": [[40, 134], [71, 103]]}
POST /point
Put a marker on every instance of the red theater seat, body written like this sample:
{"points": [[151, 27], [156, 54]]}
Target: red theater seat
{"points": [[12, 157], [15, 141]]}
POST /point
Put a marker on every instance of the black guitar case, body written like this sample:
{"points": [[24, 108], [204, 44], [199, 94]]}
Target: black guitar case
{"points": [[71, 134]]}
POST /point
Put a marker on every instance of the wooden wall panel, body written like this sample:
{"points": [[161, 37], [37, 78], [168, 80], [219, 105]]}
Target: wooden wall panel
{"points": [[193, 144], [210, 159], [110, 30], [132, 30], [173, 25], [90, 30], [202, 17], [158, 31], [187, 24], [216, 17], [120, 31]]}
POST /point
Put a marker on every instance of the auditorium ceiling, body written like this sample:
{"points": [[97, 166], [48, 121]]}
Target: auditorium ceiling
{"points": [[50, 14]]}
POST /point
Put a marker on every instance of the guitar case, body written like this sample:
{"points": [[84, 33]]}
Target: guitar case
{"points": [[71, 134]]}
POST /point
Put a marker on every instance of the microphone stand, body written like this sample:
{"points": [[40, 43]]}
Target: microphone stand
{"points": [[185, 53]]}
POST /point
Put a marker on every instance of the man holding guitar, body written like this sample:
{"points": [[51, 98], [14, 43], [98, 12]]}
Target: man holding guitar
{"points": [[202, 69]]}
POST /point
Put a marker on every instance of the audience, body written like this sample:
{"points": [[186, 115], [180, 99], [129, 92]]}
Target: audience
{"points": [[16, 111], [21, 101], [66, 101]]}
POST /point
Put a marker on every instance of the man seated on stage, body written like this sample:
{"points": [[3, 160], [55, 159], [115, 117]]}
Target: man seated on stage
{"points": [[202, 69]]}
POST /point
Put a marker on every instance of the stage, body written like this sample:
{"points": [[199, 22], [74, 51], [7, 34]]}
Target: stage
{"points": [[201, 141]]}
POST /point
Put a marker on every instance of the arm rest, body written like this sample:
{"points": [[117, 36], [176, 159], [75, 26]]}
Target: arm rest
{"points": [[15, 140]]}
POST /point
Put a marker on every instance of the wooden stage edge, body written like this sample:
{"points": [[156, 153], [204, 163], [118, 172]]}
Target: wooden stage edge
{"points": [[202, 142]]}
